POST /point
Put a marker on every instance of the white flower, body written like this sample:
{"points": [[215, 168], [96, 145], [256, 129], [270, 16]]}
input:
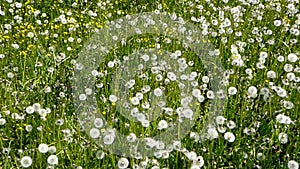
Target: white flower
{"points": [[162, 124], [123, 163], [82, 97], [145, 57], [88, 91], [220, 120], [98, 122], [231, 124], [201, 98], [292, 164], [280, 58], [110, 64], [140, 117], [263, 55], [18, 5], [171, 76], [113, 98], [277, 22], [43, 148], [135, 101], [188, 113], [191, 156], [205, 79], [271, 74], [232, 90], [131, 137], [210, 94], [229, 136], [212, 133], [157, 92], [30, 34], [288, 67], [94, 133], [196, 93], [252, 91], [292, 57], [26, 161], [199, 162], [2, 121], [283, 138], [221, 129], [108, 139], [283, 119], [139, 95], [291, 76], [145, 123], [52, 149], [28, 128], [52, 160]]}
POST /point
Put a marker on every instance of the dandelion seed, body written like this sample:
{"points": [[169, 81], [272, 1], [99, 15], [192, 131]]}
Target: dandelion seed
{"points": [[292, 57], [110, 64], [145, 123], [212, 133], [52, 160], [280, 59], [28, 128], [2, 121], [113, 98], [43, 148], [292, 164], [29, 110], [220, 120], [135, 101], [30, 34], [188, 113], [231, 124], [229, 137], [59, 122], [232, 90], [108, 139], [196, 93], [82, 97], [277, 23], [26, 161], [98, 122], [131, 137], [88, 91], [210, 94], [158, 92], [52, 149], [123, 163], [283, 138], [100, 154], [252, 91], [139, 95], [10, 75], [94, 133], [162, 125], [271, 74], [288, 67]]}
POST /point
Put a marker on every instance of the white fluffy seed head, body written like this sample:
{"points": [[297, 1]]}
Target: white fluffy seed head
{"points": [[26, 161], [52, 160], [229, 137], [43, 148], [157, 92], [94, 133], [292, 57]]}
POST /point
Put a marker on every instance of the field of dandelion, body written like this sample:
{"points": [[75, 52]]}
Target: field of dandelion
{"points": [[256, 41]]}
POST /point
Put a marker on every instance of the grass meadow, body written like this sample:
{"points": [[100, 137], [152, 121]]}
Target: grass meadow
{"points": [[256, 42]]}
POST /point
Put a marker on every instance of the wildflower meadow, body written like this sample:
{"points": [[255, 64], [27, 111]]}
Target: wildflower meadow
{"points": [[170, 84]]}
